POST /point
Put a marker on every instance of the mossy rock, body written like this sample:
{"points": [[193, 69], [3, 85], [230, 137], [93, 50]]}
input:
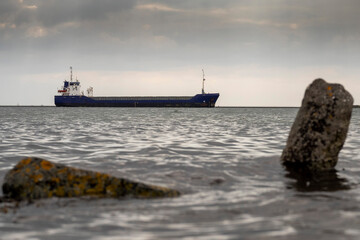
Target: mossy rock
{"points": [[34, 178]]}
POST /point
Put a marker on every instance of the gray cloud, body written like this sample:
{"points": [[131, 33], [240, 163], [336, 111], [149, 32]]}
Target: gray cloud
{"points": [[221, 32], [7, 8], [54, 12]]}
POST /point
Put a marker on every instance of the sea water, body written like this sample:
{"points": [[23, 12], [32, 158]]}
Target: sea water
{"points": [[225, 162]]}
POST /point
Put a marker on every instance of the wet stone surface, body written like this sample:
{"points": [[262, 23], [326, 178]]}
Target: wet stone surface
{"points": [[320, 128], [34, 178]]}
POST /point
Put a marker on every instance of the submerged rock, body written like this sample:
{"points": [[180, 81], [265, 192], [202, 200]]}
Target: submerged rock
{"points": [[34, 178], [320, 128]]}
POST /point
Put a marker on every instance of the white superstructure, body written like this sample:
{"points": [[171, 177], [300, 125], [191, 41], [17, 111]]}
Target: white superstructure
{"points": [[72, 88]]}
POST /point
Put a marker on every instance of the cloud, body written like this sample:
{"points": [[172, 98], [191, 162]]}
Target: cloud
{"points": [[54, 12], [228, 32], [157, 7], [266, 23], [7, 25], [36, 32], [7, 8]]}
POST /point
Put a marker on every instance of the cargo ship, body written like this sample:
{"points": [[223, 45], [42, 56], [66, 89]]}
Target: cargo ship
{"points": [[70, 95]]}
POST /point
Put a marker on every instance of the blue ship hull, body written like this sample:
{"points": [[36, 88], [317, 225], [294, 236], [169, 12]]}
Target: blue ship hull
{"points": [[199, 100]]}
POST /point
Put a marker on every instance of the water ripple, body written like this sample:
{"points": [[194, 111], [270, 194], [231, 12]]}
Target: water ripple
{"points": [[225, 161]]}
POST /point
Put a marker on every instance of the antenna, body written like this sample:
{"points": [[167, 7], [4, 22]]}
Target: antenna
{"points": [[203, 91], [70, 74]]}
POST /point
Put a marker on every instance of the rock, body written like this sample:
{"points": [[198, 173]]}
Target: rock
{"points": [[34, 178], [217, 181], [320, 128]]}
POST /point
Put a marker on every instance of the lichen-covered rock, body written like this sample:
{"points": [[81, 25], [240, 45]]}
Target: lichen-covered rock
{"points": [[34, 178], [320, 128]]}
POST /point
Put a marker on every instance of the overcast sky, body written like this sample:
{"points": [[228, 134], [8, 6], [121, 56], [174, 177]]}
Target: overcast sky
{"points": [[254, 52]]}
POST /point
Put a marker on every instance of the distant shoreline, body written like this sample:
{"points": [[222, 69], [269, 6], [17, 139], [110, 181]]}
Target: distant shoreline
{"points": [[47, 106], [26, 106], [253, 107], [164, 107]]}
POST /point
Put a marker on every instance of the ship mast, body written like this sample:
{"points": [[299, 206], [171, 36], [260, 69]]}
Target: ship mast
{"points": [[203, 83], [70, 74]]}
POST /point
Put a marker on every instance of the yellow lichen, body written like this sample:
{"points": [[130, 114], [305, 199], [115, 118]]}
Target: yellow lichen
{"points": [[24, 162], [79, 189], [329, 88], [38, 177], [60, 192], [77, 192], [70, 182], [63, 170], [93, 191], [70, 177], [111, 190], [145, 193], [46, 165], [158, 191], [55, 179], [129, 186]]}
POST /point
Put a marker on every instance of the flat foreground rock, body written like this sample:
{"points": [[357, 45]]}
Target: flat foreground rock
{"points": [[320, 127], [34, 178]]}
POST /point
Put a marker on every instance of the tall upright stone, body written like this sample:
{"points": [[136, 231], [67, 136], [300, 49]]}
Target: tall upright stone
{"points": [[320, 128]]}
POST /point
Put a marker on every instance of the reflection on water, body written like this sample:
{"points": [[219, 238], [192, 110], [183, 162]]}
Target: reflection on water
{"points": [[224, 161], [307, 181]]}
